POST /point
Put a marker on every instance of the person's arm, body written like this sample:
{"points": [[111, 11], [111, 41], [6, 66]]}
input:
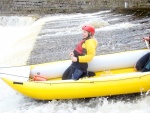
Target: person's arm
{"points": [[149, 40], [146, 38], [91, 51]]}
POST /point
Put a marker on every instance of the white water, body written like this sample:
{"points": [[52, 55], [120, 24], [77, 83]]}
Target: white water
{"points": [[17, 37], [16, 43]]}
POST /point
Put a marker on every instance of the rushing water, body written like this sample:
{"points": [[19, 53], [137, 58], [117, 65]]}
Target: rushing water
{"points": [[19, 35]]}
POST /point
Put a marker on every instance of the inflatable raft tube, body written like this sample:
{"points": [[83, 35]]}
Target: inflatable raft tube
{"points": [[99, 63], [112, 78]]}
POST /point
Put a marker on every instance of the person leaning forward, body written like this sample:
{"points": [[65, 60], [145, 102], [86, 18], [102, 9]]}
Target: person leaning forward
{"points": [[143, 64]]}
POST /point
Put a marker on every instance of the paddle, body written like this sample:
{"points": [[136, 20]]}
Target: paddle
{"points": [[147, 44]]}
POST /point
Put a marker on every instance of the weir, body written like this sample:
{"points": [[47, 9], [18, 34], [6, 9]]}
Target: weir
{"points": [[17, 39]]}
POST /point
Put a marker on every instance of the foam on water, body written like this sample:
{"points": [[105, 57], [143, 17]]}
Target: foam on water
{"points": [[19, 104], [72, 26], [16, 20], [125, 25], [17, 40]]}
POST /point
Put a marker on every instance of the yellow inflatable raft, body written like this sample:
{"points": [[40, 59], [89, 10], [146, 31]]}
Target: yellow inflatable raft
{"points": [[115, 75]]}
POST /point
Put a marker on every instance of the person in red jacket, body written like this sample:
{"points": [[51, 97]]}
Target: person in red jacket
{"points": [[82, 54], [143, 64]]}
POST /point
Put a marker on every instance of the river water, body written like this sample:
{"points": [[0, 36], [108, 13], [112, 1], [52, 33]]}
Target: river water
{"points": [[31, 40]]}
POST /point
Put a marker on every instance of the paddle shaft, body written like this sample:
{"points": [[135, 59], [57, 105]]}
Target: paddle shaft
{"points": [[147, 44]]}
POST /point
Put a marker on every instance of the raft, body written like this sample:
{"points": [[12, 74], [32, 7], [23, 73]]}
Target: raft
{"points": [[115, 75]]}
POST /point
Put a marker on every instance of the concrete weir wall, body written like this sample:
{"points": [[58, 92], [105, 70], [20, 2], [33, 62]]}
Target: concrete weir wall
{"points": [[66, 6]]}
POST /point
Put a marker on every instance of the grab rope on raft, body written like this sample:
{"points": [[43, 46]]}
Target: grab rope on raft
{"points": [[14, 66], [13, 75]]}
